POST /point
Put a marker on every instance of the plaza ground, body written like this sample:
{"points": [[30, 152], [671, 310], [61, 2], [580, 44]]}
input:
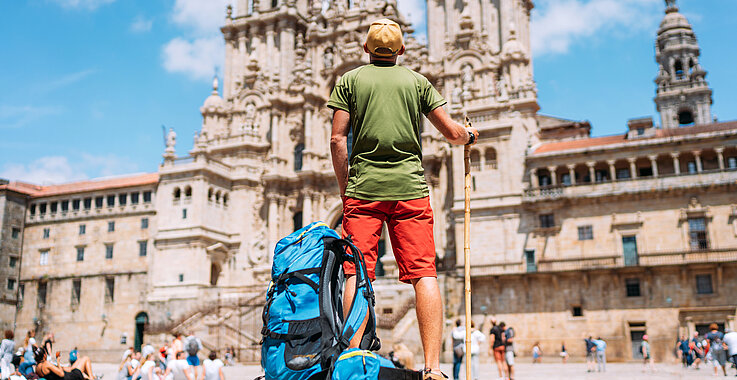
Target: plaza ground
{"points": [[548, 371]]}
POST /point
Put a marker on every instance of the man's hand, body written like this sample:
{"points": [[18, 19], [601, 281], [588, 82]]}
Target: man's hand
{"points": [[339, 149], [455, 133]]}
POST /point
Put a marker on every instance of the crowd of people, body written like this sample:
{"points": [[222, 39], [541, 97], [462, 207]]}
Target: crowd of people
{"points": [[39, 361], [714, 349], [501, 347], [177, 361]]}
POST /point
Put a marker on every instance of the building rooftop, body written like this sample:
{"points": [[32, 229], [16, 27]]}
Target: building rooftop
{"points": [[37, 191], [561, 146]]}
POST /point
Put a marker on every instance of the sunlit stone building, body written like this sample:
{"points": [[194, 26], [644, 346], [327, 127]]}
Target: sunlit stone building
{"points": [[571, 234]]}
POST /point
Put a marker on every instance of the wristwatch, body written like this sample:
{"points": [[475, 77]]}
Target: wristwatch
{"points": [[471, 138]]}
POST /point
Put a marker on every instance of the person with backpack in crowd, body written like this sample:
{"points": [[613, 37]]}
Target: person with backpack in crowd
{"points": [[193, 345], [497, 347], [509, 351], [590, 354], [647, 358], [715, 339], [459, 348], [730, 340], [382, 103]]}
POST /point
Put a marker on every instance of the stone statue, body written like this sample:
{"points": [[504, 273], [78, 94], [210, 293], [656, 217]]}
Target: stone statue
{"points": [[328, 58], [467, 77], [250, 116], [502, 90], [456, 95], [171, 141]]}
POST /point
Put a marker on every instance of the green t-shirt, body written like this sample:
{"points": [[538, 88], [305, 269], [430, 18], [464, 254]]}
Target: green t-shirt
{"points": [[386, 103]]}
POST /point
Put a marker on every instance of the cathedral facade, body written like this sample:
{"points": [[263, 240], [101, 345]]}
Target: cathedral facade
{"points": [[570, 235]]}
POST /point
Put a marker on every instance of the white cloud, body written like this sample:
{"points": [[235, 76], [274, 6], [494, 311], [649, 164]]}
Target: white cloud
{"points": [[60, 169], [197, 58], [558, 24], [141, 24], [203, 17], [19, 116], [61, 82], [83, 4], [414, 11]]}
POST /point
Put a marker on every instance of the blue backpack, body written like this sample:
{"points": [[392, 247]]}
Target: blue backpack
{"points": [[304, 328], [357, 364]]}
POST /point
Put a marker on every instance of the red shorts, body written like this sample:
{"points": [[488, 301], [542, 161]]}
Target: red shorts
{"points": [[410, 225]]}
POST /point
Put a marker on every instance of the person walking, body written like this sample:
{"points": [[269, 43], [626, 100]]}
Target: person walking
{"points": [[685, 349], [497, 347], [647, 358], [563, 352], [509, 351], [477, 337], [459, 348], [600, 354], [696, 350], [715, 339], [730, 340], [590, 354], [179, 368], [382, 104], [7, 346], [537, 353], [212, 368], [193, 345]]}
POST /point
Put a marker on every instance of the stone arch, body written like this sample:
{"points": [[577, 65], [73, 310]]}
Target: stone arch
{"points": [[490, 158], [188, 191], [177, 193], [475, 160], [210, 193]]}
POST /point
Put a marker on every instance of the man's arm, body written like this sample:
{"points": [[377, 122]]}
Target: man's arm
{"points": [[454, 132], [338, 148]]}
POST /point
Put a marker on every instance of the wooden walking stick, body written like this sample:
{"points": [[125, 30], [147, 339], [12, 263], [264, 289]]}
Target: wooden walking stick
{"points": [[467, 248]]}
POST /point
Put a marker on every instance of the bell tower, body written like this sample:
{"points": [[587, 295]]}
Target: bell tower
{"points": [[683, 96]]}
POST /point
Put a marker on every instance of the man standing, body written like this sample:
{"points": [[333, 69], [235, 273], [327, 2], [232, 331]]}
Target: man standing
{"points": [[459, 336], [730, 339], [509, 351], [590, 354], [647, 358], [600, 354], [496, 341], [382, 103]]}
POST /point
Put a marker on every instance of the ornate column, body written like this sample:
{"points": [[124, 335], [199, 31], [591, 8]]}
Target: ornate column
{"points": [[633, 168], [676, 162], [533, 178], [697, 156], [286, 51], [572, 173], [592, 174], [272, 221], [553, 175], [270, 48], [654, 164], [612, 170], [307, 207], [307, 157], [720, 156]]}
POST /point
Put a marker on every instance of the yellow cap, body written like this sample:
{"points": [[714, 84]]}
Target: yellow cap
{"points": [[384, 38]]}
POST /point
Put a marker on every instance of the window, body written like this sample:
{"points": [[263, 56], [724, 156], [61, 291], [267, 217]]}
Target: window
{"points": [[54, 206], [146, 197], [601, 175], [99, 201], [21, 293], [209, 194], [566, 179], [546, 220], [490, 158], [33, 209], [577, 311], [225, 199], [41, 294], [632, 285], [13, 262], [475, 158], [134, 198], [108, 251], [732, 163], [142, 248], [691, 166], [15, 231], [80, 253], [109, 290], [47, 233], [87, 203], [42, 208], [75, 204], [111, 226], [184, 213], [64, 206], [530, 260], [646, 172], [11, 284], [697, 233], [144, 223], [44, 257], [188, 192], [703, 284], [76, 291], [298, 154], [110, 200], [586, 233], [623, 173], [543, 180], [181, 277], [122, 199], [177, 194], [297, 220], [685, 118], [82, 229]]}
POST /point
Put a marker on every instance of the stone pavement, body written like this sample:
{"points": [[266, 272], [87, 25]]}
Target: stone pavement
{"points": [[546, 371]]}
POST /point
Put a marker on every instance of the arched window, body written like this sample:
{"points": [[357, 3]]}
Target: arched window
{"points": [[249, 7], [188, 192], [209, 194], [679, 69], [274, 3], [177, 194], [217, 197], [297, 220], [214, 273], [225, 199], [490, 158], [685, 118], [475, 160], [298, 150]]}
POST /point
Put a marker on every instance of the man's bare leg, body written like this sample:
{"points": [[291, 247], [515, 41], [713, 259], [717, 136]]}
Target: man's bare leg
{"points": [[350, 288], [429, 306]]}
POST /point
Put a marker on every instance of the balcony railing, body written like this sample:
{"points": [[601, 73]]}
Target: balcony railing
{"points": [[631, 185], [645, 259]]}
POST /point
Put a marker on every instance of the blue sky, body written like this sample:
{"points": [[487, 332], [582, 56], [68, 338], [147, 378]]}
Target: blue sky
{"points": [[87, 84]]}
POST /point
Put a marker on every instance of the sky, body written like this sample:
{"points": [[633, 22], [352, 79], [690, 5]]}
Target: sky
{"points": [[86, 85]]}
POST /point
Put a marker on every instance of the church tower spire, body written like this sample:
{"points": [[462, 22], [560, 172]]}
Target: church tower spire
{"points": [[683, 96]]}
